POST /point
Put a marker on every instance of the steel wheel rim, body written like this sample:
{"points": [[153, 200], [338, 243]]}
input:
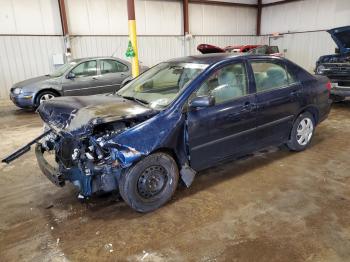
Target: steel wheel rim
{"points": [[152, 181], [46, 97], [304, 131]]}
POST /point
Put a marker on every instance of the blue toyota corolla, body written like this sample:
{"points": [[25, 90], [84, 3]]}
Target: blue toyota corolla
{"points": [[178, 118]]}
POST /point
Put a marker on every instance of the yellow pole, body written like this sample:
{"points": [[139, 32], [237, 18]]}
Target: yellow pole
{"points": [[132, 37]]}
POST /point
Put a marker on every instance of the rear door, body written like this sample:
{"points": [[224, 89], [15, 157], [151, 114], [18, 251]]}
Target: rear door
{"points": [[85, 81], [226, 129], [112, 74], [278, 100]]}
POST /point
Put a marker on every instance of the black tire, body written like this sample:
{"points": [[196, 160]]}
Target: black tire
{"points": [[150, 183], [43, 94], [337, 98], [296, 141]]}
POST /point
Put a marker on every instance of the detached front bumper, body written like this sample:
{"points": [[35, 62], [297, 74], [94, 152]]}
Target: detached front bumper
{"points": [[49, 171]]}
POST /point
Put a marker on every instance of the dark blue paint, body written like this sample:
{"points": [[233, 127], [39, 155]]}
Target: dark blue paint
{"points": [[199, 138]]}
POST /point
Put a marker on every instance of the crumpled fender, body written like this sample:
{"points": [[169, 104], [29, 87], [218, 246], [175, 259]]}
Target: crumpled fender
{"points": [[161, 131]]}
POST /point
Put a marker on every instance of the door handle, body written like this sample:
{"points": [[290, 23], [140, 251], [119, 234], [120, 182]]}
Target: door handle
{"points": [[248, 106], [295, 93]]}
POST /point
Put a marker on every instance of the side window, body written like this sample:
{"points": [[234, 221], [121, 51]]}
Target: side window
{"points": [[112, 66], [88, 68], [270, 76], [225, 84]]}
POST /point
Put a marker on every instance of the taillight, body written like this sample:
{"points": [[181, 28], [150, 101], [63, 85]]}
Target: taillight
{"points": [[329, 86]]}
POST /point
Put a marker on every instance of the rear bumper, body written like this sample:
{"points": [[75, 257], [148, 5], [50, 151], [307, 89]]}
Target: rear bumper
{"points": [[324, 110], [49, 171], [340, 91]]}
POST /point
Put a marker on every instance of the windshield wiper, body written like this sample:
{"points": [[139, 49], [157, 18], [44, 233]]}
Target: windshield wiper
{"points": [[141, 101]]}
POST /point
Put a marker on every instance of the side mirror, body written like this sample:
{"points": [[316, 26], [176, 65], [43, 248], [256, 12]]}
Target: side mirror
{"points": [[337, 51], [202, 101], [70, 75]]}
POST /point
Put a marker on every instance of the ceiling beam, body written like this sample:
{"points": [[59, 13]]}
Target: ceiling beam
{"points": [[258, 18], [280, 3], [185, 17], [206, 2], [63, 16]]}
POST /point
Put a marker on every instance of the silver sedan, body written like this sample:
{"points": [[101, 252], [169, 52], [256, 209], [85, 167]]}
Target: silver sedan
{"points": [[86, 76]]}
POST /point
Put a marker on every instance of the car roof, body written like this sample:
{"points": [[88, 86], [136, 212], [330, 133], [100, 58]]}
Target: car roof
{"points": [[217, 57], [77, 60]]}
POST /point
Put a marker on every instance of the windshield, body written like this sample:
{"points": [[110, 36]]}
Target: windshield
{"points": [[62, 69], [161, 84]]}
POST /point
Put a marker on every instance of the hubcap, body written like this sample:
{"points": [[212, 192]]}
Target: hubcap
{"points": [[304, 131], [46, 97], [152, 181]]}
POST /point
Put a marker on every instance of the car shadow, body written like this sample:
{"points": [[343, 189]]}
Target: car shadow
{"points": [[8, 109], [111, 206], [342, 104]]}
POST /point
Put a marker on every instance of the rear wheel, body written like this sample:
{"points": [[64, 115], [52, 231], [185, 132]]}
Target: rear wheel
{"points": [[149, 183], [302, 132]]}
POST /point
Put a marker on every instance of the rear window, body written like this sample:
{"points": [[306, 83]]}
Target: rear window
{"points": [[270, 76]]}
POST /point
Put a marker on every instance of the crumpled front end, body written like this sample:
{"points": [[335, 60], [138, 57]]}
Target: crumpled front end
{"points": [[95, 139], [90, 163]]}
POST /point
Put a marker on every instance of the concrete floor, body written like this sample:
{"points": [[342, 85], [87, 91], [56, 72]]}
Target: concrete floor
{"points": [[274, 206]]}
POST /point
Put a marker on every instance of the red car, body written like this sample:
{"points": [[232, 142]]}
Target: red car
{"points": [[252, 49], [208, 49], [240, 48]]}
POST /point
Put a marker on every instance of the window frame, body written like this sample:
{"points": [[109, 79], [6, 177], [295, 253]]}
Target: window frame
{"points": [[87, 61], [247, 78], [115, 61], [288, 71]]}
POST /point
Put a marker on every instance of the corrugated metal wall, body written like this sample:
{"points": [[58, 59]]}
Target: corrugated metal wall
{"points": [[160, 29], [29, 36], [312, 17], [305, 48], [22, 57], [152, 49], [99, 28], [221, 20], [39, 17]]}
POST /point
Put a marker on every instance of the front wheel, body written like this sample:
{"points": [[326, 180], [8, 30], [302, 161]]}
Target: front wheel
{"points": [[150, 183], [302, 132], [44, 96]]}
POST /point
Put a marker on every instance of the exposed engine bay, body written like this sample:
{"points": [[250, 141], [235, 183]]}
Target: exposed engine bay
{"points": [[94, 163], [334, 59], [96, 139]]}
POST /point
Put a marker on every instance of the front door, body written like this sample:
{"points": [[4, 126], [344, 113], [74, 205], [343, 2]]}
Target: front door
{"points": [[278, 100], [227, 128], [84, 80]]}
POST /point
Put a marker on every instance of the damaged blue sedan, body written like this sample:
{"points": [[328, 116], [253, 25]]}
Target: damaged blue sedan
{"points": [[178, 118]]}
